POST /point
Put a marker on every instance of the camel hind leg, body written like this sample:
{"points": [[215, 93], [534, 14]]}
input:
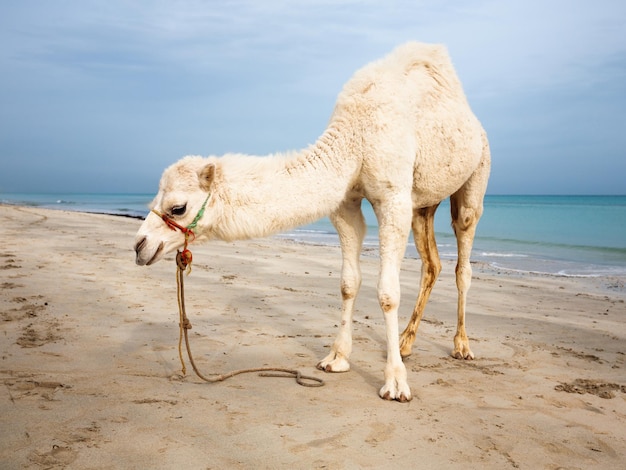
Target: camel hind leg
{"points": [[424, 235], [350, 225], [466, 207]]}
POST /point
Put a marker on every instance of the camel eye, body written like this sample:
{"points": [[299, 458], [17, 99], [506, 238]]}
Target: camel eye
{"points": [[179, 210]]}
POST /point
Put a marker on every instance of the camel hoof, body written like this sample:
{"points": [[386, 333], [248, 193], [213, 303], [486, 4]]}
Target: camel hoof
{"points": [[468, 355], [402, 398], [461, 348], [396, 392], [334, 364], [325, 368]]}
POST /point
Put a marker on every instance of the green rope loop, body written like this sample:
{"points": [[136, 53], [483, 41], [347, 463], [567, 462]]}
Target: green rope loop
{"points": [[199, 215]]}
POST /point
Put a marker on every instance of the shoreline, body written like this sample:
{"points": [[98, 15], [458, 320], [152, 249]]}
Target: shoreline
{"points": [[501, 254], [88, 346], [611, 283]]}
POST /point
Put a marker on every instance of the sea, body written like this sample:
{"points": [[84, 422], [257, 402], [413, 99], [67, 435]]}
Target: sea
{"points": [[578, 236]]}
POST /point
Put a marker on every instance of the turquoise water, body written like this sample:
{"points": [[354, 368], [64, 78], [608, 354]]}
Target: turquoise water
{"points": [[565, 235]]}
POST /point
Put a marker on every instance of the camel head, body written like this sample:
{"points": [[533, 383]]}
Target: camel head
{"points": [[184, 189]]}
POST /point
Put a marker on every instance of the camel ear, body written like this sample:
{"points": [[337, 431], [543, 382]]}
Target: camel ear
{"points": [[206, 175]]}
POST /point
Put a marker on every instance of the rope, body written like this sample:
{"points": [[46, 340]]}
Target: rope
{"points": [[199, 215], [182, 263]]}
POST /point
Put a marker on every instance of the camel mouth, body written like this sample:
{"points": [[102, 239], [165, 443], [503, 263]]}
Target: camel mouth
{"points": [[157, 255], [141, 261]]}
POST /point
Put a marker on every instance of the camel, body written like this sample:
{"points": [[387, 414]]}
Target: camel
{"points": [[403, 136]]}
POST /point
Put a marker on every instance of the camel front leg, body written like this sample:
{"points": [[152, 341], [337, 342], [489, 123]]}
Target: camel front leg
{"points": [[350, 225], [394, 221]]}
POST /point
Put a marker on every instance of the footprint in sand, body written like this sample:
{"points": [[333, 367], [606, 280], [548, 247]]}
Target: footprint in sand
{"points": [[57, 457], [594, 387], [35, 335]]}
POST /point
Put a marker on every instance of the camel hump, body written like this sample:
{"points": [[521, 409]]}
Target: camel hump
{"points": [[412, 53], [416, 57], [408, 64]]}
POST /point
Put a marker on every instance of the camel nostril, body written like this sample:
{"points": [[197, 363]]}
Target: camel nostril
{"points": [[140, 244]]}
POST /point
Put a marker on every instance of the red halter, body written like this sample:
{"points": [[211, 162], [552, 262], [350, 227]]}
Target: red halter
{"points": [[184, 258]]}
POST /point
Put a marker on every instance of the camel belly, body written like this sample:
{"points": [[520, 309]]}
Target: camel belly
{"points": [[431, 173], [427, 193], [444, 161]]}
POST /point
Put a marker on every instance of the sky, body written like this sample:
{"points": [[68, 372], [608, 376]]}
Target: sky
{"points": [[101, 96]]}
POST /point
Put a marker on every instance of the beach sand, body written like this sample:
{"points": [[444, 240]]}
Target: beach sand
{"points": [[89, 346]]}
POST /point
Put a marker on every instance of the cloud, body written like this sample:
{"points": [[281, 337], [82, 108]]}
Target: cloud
{"points": [[138, 84]]}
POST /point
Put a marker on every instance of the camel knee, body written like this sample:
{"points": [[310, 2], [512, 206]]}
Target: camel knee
{"points": [[465, 218], [350, 287], [463, 269], [463, 275], [437, 268], [389, 291], [388, 301], [349, 290], [431, 271]]}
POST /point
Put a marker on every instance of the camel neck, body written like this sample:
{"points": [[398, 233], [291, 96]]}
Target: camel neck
{"points": [[281, 192]]}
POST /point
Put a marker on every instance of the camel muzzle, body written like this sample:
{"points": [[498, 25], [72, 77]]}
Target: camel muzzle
{"points": [[142, 260]]}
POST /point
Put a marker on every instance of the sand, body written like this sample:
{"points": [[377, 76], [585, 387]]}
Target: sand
{"points": [[89, 346]]}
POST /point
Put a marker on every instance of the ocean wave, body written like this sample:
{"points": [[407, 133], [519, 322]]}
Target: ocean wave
{"points": [[311, 231], [553, 245], [573, 272], [495, 254]]}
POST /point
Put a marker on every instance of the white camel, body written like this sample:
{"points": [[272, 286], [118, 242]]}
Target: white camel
{"points": [[402, 135]]}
